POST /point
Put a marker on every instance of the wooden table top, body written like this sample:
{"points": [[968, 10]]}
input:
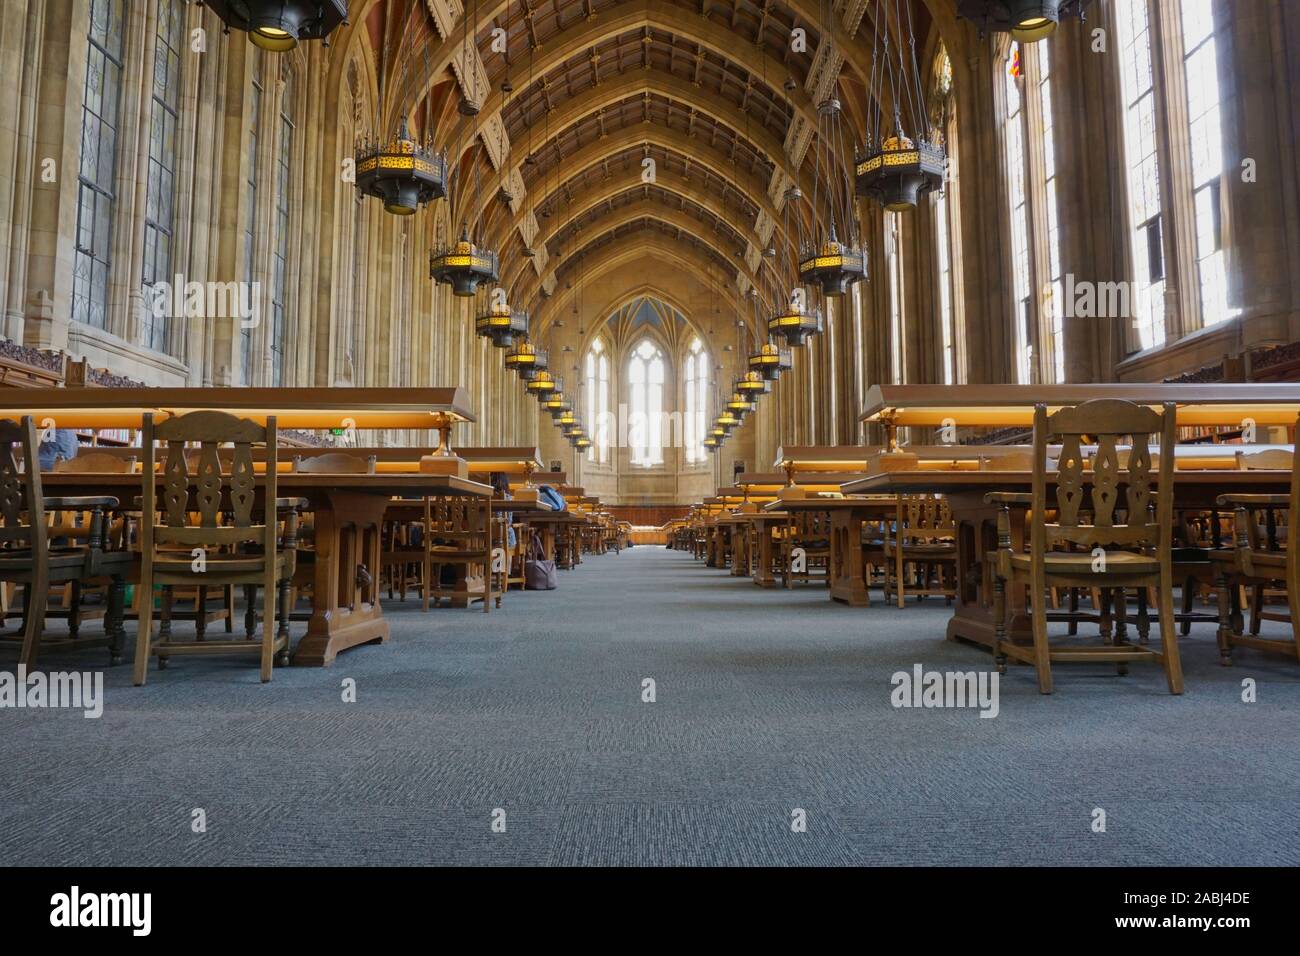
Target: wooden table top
{"points": [[557, 517], [956, 482], [1225, 404], [387, 484], [835, 504], [387, 407], [499, 505]]}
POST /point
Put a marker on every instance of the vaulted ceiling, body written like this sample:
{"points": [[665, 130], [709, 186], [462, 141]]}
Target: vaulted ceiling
{"points": [[551, 166]]}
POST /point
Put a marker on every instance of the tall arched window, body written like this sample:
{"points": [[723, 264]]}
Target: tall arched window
{"points": [[1142, 159], [250, 213], [159, 215], [1205, 128], [280, 252], [645, 376], [945, 220], [894, 262], [351, 340], [598, 400], [696, 377], [1054, 326], [1018, 191], [1035, 225], [98, 167]]}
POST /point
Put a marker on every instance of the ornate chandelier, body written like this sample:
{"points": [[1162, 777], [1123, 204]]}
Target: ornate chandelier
{"points": [[830, 254], [795, 323], [463, 265], [501, 324], [278, 25], [541, 384], [893, 168], [403, 173], [556, 404], [770, 361], [526, 360], [740, 405], [1026, 20], [753, 384]]}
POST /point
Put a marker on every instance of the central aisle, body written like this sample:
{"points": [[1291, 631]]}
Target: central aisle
{"points": [[767, 702]]}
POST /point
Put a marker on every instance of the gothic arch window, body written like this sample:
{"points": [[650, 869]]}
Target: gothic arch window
{"points": [[256, 95], [1030, 143], [894, 264], [98, 166], [645, 376], [1205, 130], [1142, 159], [597, 400], [947, 237], [696, 376], [280, 249], [1018, 196], [158, 332]]}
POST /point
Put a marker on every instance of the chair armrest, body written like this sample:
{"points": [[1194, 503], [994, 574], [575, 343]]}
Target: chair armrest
{"points": [[1253, 501], [86, 503], [1009, 498], [286, 504]]}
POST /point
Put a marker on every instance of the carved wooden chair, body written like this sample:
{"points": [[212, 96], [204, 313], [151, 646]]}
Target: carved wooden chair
{"points": [[458, 538], [811, 532], [76, 526], [240, 552], [1260, 558], [924, 540], [28, 558], [1121, 543]]}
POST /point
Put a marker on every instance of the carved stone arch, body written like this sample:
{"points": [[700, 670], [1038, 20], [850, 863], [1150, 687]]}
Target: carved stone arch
{"points": [[648, 244], [629, 214]]}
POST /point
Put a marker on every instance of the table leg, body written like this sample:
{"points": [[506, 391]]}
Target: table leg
{"points": [[848, 575], [763, 575], [334, 625], [972, 618]]}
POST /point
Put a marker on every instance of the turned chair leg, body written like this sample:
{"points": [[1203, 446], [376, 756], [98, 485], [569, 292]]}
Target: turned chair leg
{"points": [[35, 598], [999, 623], [1223, 585], [282, 625], [250, 611], [1168, 638], [114, 617], [1042, 651]]}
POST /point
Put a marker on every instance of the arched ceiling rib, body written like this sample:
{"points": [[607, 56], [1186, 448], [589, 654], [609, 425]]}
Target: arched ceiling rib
{"points": [[682, 224], [647, 243], [678, 153], [711, 89]]}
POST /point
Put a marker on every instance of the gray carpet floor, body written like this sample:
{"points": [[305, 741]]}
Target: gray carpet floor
{"points": [[767, 702]]}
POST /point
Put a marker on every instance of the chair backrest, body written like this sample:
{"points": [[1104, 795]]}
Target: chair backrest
{"points": [[334, 463], [1088, 514], [1274, 459], [95, 462], [926, 516], [211, 487], [22, 505]]}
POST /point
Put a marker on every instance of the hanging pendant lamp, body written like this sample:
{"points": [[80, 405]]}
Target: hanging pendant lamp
{"points": [[278, 25], [402, 173]]}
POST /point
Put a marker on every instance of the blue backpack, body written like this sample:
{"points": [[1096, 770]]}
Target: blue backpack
{"points": [[552, 497]]}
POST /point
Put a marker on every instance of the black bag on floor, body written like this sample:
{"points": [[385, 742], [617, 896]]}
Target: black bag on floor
{"points": [[539, 570]]}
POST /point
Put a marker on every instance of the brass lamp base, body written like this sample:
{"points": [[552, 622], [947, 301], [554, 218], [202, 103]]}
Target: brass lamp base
{"points": [[452, 465]]}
